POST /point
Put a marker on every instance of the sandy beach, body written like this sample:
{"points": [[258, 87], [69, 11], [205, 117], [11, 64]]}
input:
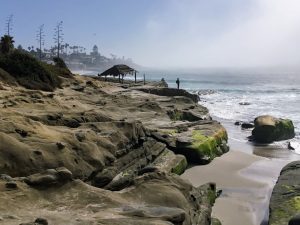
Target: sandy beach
{"points": [[246, 182]]}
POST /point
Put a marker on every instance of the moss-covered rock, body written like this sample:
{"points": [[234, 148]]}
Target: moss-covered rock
{"points": [[215, 221], [169, 162], [285, 200], [268, 129], [203, 143], [180, 166]]}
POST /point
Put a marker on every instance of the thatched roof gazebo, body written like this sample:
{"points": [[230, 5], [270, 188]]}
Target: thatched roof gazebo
{"points": [[119, 70]]}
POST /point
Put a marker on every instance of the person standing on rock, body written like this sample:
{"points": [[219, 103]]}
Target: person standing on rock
{"points": [[177, 82]]}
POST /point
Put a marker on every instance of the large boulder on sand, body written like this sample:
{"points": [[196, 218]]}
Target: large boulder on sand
{"points": [[268, 129], [285, 199]]}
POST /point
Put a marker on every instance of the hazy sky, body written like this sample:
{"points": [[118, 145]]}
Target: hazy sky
{"points": [[168, 33]]}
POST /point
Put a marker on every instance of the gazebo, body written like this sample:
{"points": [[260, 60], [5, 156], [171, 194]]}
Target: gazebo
{"points": [[119, 70]]}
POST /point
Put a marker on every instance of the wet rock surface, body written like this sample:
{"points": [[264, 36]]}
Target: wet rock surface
{"points": [[285, 199]]}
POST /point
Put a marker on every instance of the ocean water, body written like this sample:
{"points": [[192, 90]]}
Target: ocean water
{"points": [[276, 94]]}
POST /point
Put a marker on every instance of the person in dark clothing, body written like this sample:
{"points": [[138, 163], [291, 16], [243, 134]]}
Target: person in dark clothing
{"points": [[177, 82]]}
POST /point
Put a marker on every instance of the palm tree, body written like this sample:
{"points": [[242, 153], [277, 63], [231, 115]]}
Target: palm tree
{"points": [[6, 44]]}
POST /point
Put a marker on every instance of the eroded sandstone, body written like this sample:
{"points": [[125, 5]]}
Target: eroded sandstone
{"points": [[124, 141]]}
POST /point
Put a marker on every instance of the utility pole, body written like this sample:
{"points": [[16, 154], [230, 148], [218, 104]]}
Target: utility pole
{"points": [[40, 37], [8, 24], [58, 36]]}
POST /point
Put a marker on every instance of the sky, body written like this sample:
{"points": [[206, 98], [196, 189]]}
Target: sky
{"points": [[168, 33]]}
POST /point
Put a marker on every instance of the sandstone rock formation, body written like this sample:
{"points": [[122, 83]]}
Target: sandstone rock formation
{"points": [[125, 142], [152, 198]]}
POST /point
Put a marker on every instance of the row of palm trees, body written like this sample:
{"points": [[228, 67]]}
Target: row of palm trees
{"points": [[65, 49], [7, 44]]}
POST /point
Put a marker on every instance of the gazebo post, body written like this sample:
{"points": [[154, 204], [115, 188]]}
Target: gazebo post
{"points": [[122, 78], [119, 78], [134, 76]]}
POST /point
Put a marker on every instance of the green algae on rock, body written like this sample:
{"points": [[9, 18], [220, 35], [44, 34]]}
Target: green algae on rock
{"points": [[285, 199], [180, 166], [215, 221], [201, 145], [208, 147]]}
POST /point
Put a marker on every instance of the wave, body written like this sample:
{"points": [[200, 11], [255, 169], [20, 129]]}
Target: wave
{"points": [[226, 104]]}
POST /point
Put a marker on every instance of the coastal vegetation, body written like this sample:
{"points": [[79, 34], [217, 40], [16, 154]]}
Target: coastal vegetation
{"points": [[20, 67], [75, 56]]}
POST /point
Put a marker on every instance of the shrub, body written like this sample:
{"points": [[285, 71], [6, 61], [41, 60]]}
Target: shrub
{"points": [[29, 72], [60, 68], [59, 62], [6, 77]]}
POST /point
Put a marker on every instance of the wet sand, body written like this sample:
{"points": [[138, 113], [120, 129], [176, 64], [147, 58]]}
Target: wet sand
{"points": [[246, 175], [246, 182]]}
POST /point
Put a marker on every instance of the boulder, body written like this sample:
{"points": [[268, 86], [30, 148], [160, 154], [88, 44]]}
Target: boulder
{"points": [[238, 123], [268, 129], [247, 125], [41, 221], [215, 221], [285, 199], [244, 103], [202, 144], [49, 177], [38, 221]]}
